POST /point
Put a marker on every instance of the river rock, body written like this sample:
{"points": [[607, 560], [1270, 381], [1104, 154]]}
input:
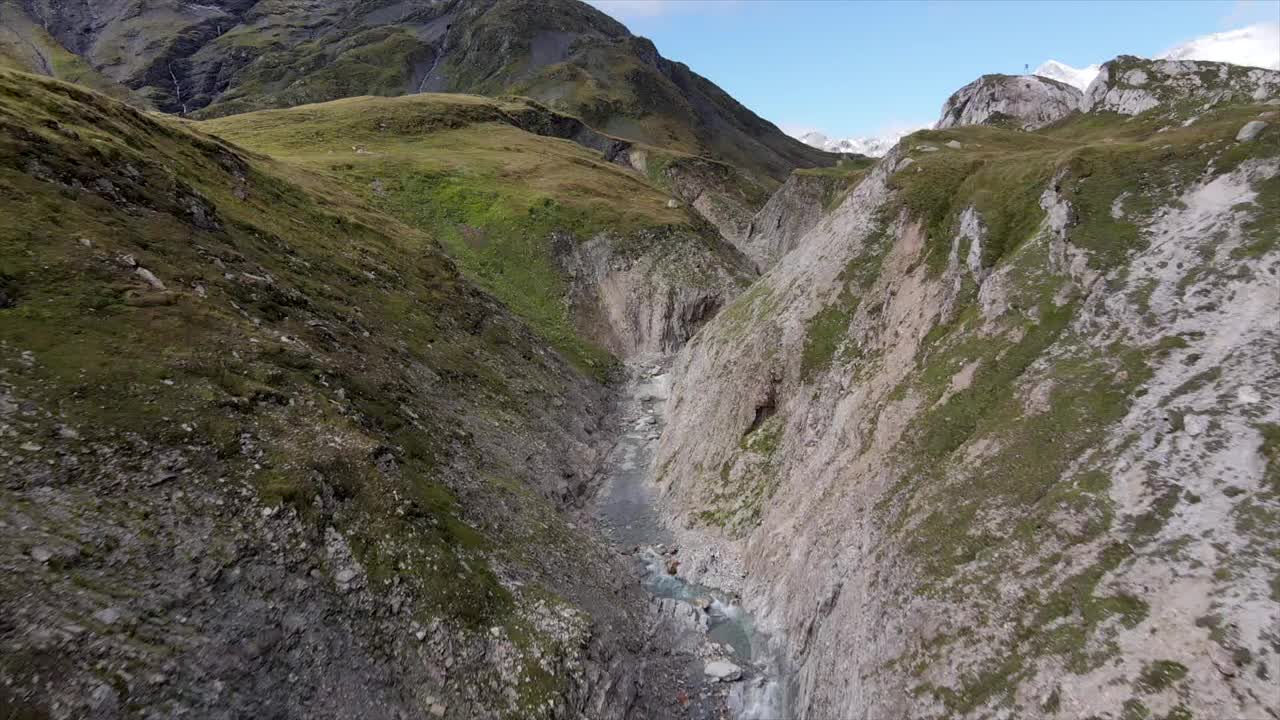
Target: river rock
{"points": [[722, 671], [107, 616]]}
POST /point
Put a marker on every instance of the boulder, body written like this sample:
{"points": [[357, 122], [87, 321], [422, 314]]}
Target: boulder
{"points": [[722, 671], [1251, 130]]}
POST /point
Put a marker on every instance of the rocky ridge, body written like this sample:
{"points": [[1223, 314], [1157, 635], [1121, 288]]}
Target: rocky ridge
{"points": [[1130, 86]]}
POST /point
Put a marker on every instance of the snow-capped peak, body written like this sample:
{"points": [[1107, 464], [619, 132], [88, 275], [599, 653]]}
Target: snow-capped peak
{"points": [[871, 146], [1074, 76], [1256, 46]]}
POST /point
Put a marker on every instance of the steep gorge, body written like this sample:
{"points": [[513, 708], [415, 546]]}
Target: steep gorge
{"points": [[303, 412]]}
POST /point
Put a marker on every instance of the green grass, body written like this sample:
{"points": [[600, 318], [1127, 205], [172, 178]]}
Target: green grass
{"points": [[1270, 450], [495, 196], [825, 332], [1160, 675]]}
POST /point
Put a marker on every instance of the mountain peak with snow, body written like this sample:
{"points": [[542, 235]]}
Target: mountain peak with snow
{"points": [[869, 145], [1078, 78]]}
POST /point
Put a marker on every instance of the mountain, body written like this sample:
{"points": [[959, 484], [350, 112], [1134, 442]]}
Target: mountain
{"points": [[461, 167], [1028, 102], [866, 146], [232, 56], [1176, 89], [1078, 78], [1000, 436], [422, 404]]}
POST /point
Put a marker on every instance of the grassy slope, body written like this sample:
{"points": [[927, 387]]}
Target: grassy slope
{"points": [[493, 194], [292, 312], [1002, 173]]}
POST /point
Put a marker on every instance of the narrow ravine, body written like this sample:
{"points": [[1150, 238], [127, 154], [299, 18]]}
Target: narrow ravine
{"points": [[734, 667]]}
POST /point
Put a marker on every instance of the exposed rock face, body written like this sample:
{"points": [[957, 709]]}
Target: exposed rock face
{"points": [[1027, 101], [790, 213], [721, 194], [649, 293], [982, 473], [1130, 86]]}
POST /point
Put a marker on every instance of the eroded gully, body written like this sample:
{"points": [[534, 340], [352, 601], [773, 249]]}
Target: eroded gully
{"points": [[733, 669]]}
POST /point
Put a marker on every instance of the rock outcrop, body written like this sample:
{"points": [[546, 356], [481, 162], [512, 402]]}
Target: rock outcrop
{"points": [[648, 293], [791, 212], [721, 194], [1028, 102], [1130, 86]]}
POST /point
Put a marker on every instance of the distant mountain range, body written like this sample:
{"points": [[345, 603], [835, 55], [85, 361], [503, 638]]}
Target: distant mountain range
{"points": [[1076, 77], [871, 146]]}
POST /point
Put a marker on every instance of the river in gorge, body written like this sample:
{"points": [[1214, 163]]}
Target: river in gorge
{"points": [[628, 508]]}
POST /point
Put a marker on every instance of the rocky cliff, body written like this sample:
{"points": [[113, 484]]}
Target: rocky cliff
{"points": [[650, 293], [998, 438], [1027, 102], [796, 207]]}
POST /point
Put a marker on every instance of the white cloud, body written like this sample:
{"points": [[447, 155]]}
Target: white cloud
{"points": [[1256, 45]]}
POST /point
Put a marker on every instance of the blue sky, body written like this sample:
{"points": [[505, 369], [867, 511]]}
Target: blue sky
{"points": [[863, 68]]}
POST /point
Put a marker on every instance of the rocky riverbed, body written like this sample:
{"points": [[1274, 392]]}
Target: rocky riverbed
{"points": [[731, 673]]}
